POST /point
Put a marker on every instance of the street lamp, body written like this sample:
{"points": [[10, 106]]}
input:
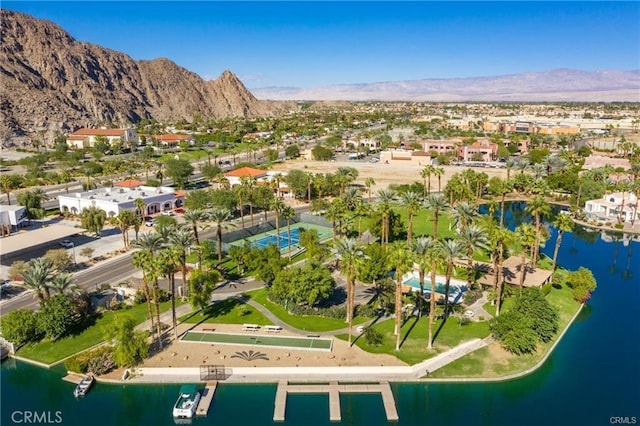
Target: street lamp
{"points": [[73, 247]]}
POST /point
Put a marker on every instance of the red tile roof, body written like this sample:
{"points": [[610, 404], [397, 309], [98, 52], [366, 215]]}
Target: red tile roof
{"points": [[128, 183], [99, 132], [245, 172]]}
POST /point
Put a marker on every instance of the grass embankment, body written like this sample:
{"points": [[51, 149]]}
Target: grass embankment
{"points": [[494, 361], [414, 335], [49, 352], [228, 311], [308, 323]]}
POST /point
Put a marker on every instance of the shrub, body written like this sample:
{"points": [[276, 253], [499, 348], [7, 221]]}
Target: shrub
{"points": [[582, 282], [98, 361], [372, 336], [20, 326]]}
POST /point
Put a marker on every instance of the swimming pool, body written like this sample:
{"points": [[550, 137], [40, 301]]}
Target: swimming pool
{"points": [[456, 287]]}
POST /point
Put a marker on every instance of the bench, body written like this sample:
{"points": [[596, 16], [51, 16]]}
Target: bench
{"points": [[272, 328], [208, 329], [313, 335], [250, 327]]}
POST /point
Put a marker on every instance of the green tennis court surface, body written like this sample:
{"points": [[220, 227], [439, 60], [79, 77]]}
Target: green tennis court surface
{"points": [[252, 339]]}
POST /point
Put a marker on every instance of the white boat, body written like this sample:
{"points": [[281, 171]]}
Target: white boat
{"points": [[83, 387], [185, 406]]}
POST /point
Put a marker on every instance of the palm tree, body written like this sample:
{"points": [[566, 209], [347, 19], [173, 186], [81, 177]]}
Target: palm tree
{"points": [[422, 248], [463, 214], [504, 238], [141, 206], [451, 250], [425, 174], [350, 254], [194, 218], [472, 239], [437, 203], [249, 184], [509, 164], [369, 182], [288, 213], [168, 259], [181, 241], [563, 223], [411, 201], [538, 207], [65, 284], [219, 216], [139, 261], [38, 277], [277, 205], [400, 259], [439, 172], [385, 197], [525, 235], [149, 244]]}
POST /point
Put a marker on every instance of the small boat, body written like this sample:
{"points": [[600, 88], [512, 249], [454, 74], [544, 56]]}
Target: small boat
{"points": [[185, 406], [83, 387]]}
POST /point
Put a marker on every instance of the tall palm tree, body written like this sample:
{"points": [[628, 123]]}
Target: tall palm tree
{"points": [[411, 201], [538, 207], [525, 236], [439, 172], [350, 254], [288, 213], [369, 182], [277, 205], [181, 241], [425, 174], [385, 197], [438, 204], [472, 238], [422, 248], [195, 218], [451, 250], [219, 216], [504, 239], [509, 164], [168, 259], [563, 223], [249, 184], [149, 244], [38, 277], [401, 260]]}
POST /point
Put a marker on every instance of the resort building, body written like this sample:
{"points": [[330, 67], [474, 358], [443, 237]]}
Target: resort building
{"points": [[86, 138], [236, 176], [114, 200], [169, 140], [405, 156], [621, 206], [11, 218], [478, 151]]}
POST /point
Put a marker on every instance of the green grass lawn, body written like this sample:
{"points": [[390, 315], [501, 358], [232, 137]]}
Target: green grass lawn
{"points": [[229, 311], [49, 352], [308, 323], [422, 222], [414, 335], [495, 361]]}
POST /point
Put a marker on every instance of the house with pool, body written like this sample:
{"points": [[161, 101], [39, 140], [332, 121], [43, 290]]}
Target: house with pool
{"points": [[610, 207]]}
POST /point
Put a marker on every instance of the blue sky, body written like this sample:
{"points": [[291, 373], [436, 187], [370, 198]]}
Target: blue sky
{"points": [[306, 44]]}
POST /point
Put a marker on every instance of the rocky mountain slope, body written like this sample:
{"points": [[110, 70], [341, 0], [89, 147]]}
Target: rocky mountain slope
{"points": [[50, 81], [554, 85]]}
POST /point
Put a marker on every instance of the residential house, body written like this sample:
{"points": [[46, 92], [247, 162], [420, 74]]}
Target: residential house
{"points": [[610, 207], [86, 138]]}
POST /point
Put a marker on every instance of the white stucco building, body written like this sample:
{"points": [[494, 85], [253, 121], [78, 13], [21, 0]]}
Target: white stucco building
{"points": [[86, 138], [113, 200], [12, 217], [610, 206]]}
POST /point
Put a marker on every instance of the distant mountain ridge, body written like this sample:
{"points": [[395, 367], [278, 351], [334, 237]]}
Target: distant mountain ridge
{"points": [[50, 82], [555, 85]]}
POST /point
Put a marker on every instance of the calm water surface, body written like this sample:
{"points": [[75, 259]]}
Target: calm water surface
{"points": [[593, 375]]}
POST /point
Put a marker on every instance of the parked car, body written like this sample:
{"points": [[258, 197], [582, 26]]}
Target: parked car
{"points": [[66, 243], [168, 213], [148, 221]]}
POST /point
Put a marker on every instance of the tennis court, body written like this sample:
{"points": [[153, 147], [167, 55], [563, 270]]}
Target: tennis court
{"points": [[287, 242], [305, 343]]}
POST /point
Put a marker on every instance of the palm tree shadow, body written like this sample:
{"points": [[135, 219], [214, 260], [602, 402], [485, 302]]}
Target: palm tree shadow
{"points": [[444, 320], [406, 335], [371, 324]]}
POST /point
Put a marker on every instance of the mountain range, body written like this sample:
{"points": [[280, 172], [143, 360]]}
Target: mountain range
{"points": [[560, 85], [50, 81]]}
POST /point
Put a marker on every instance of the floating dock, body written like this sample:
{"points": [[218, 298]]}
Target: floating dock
{"points": [[73, 378], [206, 398], [334, 390]]}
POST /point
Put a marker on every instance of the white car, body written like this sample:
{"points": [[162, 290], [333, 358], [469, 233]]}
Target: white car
{"points": [[168, 213], [66, 243], [469, 314]]}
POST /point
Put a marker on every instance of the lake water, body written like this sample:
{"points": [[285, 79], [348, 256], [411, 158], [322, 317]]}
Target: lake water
{"points": [[592, 376]]}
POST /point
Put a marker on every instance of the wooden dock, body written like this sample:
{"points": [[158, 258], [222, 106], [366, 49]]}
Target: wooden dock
{"points": [[334, 390], [73, 378], [206, 398]]}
